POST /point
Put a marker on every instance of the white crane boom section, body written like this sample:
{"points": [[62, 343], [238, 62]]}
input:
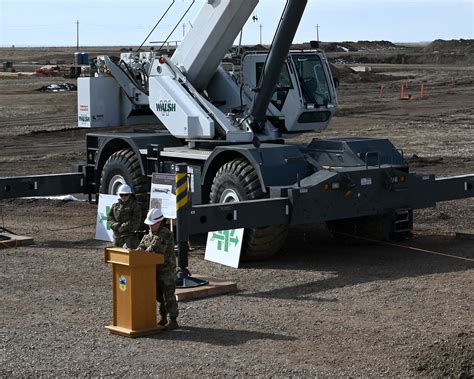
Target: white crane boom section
{"points": [[213, 32]]}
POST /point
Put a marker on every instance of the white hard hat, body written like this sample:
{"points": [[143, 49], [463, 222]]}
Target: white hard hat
{"points": [[154, 216], [124, 190]]}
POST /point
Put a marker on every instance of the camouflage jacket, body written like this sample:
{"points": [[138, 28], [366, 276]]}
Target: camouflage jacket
{"points": [[125, 218], [162, 242]]}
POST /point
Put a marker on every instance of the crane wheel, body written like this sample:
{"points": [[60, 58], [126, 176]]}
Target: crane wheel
{"points": [[237, 180], [123, 167]]}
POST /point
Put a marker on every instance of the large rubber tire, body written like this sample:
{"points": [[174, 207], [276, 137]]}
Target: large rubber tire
{"points": [[123, 167], [237, 180]]}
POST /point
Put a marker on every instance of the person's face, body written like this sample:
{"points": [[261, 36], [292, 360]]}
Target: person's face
{"points": [[155, 227], [125, 197]]}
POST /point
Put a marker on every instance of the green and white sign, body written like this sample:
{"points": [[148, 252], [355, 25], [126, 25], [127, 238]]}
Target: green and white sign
{"points": [[224, 247], [102, 230]]}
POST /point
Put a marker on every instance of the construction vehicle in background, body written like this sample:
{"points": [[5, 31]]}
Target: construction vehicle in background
{"points": [[48, 70], [231, 128], [8, 67]]}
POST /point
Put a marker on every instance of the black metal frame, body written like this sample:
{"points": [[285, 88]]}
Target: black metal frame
{"points": [[42, 185], [316, 203]]}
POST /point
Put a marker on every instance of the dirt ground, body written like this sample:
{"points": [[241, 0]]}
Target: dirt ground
{"points": [[320, 308]]}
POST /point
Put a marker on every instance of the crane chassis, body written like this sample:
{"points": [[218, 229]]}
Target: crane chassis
{"points": [[229, 127]]}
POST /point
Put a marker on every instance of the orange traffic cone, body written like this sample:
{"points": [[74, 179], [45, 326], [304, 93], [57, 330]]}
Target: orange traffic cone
{"points": [[381, 91], [422, 92]]}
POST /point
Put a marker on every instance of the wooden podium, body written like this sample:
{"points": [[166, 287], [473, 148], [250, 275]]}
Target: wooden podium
{"points": [[134, 291]]}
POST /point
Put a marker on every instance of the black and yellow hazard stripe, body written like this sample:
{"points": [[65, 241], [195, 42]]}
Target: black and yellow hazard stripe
{"points": [[182, 197]]}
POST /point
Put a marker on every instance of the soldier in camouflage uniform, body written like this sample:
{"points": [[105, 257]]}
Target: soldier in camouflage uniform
{"points": [[125, 218], [161, 240]]}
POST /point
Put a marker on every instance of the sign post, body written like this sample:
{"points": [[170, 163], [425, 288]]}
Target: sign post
{"points": [[182, 235]]}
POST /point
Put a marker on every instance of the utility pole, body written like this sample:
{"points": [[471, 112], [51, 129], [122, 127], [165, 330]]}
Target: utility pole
{"points": [[77, 35], [261, 27], [317, 32]]}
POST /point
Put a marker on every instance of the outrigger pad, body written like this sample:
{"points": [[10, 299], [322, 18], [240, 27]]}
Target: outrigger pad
{"points": [[214, 287], [4, 237], [8, 240]]}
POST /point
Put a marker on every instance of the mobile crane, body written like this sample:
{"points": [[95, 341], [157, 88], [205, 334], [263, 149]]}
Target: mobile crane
{"points": [[229, 128]]}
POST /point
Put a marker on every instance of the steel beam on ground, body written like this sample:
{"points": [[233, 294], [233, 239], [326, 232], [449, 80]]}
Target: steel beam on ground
{"points": [[41, 185]]}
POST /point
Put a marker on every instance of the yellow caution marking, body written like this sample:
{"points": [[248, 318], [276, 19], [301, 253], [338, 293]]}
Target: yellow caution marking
{"points": [[180, 177], [181, 203], [182, 188]]}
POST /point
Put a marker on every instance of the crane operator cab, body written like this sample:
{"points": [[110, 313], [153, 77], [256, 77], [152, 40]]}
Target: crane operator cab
{"points": [[304, 98]]}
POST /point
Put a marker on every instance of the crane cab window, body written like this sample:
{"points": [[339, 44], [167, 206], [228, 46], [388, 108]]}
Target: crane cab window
{"points": [[312, 78], [282, 87]]}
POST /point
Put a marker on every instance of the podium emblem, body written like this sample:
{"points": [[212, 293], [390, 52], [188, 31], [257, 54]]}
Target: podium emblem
{"points": [[122, 283]]}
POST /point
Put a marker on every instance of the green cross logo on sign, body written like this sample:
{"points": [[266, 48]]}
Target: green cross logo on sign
{"points": [[103, 217], [225, 238]]}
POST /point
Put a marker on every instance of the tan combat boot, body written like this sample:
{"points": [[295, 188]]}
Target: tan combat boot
{"points": [[164, 319], [173, 324]]}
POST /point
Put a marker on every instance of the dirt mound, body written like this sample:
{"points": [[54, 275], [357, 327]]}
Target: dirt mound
{"points": [[452, 358], [246, 48], [341, 72], [374, 45], [351, 46], [335, 47], [346, 74], [457, 46]]}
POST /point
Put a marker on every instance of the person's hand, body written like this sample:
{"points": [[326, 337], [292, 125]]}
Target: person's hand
{"points": [[149, 249], [140, 248], [121, 229]]}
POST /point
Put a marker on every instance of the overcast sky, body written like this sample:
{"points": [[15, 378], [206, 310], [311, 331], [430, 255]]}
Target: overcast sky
{"points": [[127, 22]]}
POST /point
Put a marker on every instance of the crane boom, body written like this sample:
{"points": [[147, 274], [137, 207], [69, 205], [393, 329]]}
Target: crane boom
{"points": [[213, 32], [195, 98], [276, 58]]}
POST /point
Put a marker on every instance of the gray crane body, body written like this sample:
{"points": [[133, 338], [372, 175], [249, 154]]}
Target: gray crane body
{"points": [[229, 128]]}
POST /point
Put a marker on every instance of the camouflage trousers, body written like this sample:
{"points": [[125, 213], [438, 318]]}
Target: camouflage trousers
{"points": [[165, 293], [131, 240]]}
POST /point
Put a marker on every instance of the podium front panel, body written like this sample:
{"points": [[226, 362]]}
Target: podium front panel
{"points": [[122, 296]]}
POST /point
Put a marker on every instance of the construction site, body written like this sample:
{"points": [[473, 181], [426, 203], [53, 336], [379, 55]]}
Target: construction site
{"points": [[327, 300]]}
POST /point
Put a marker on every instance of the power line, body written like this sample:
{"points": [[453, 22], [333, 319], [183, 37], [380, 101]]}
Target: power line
{"points": [[32, 26], [55, 26]]}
